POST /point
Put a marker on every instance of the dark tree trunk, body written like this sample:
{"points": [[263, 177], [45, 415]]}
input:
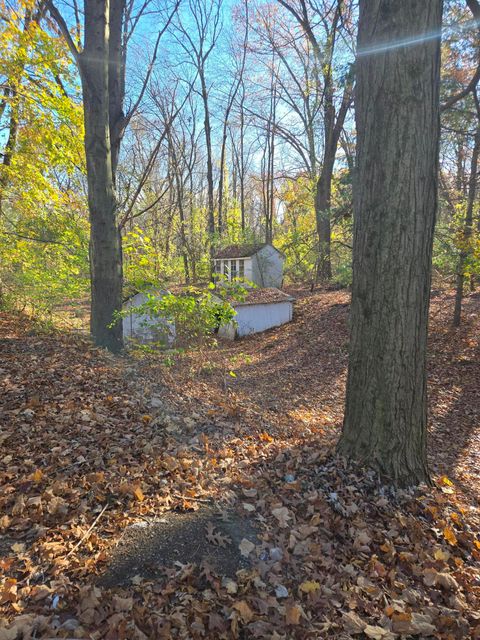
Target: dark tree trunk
{"points": [[105, 241], [242, 162], [208, 141], [395, 203], [323, 197], [116, 78], [181, 208], [465, 249]]}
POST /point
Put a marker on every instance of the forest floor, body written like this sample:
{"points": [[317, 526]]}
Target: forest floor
{"points": [[198, 496]]}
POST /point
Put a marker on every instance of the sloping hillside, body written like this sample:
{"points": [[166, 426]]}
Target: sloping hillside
{"points": [[145, 498]]}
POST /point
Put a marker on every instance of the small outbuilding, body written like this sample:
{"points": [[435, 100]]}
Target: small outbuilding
{"points": [[143, 327], [258, 263], [260, 310]]}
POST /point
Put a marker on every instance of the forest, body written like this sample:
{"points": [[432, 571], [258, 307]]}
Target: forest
{"points": [[239, 319]]}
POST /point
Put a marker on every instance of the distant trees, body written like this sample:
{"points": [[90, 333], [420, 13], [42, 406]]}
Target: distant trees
{"points": [[395, 202], [226, 122], [335, 20]]}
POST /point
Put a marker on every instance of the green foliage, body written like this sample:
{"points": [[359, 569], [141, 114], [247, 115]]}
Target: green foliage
{"points": [[196, 313], [43, 222], [39, 274]]}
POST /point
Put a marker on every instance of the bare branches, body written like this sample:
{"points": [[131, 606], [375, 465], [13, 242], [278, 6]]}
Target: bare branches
{"points": [[470, 88], [63, 27], [474, 7], [134, 108]]}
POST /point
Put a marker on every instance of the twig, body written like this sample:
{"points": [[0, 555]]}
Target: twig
{"points": [[84, 537], [187, 498]]}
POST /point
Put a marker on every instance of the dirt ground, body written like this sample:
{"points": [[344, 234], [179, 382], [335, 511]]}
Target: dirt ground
{"points": [[198, 495]]}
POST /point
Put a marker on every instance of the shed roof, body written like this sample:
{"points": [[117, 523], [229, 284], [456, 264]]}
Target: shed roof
{"points": [[269, 295], [242, 250]]}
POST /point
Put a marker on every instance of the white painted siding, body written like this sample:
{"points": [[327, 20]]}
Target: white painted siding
{"points": [[254, 318], [267, 267], [144, 328]]}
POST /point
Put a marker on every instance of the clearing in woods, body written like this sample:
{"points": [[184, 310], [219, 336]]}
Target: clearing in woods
{"points": [[202, 500]]}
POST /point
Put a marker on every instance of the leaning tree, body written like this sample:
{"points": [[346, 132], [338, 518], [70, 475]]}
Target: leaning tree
{"points": [[395, 203]]}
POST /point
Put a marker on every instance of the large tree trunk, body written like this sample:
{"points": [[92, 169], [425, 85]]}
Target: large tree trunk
{"points": [[105, 241], [395, 202]]}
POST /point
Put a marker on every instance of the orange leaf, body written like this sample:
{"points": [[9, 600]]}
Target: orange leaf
{"points": [[450, 536], [293, 614], [266, 437], [138, 493]]}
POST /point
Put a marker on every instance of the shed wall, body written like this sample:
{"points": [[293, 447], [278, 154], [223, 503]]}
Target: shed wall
{"points": [[144, 328], [254, 318], [267, 267]]}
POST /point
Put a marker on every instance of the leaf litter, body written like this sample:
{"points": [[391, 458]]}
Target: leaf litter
{"points": [[94, 448]]}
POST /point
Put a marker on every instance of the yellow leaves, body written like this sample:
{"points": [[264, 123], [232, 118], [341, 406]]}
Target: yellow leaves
{"points": [[37, 475], [476, 544], [441, 555], [138, 493], [309, 586], [446, 485], [450, 536], [454, 517], [146, 419]]}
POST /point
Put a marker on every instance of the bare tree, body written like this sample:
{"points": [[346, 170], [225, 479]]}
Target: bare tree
{"points": [[330, 15], [198, 38]]}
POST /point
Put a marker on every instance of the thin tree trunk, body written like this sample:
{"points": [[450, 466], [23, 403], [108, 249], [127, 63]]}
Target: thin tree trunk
{"points": [[323, 198], [242, 160], [105, 240], [465, 249], [208, 141], [181, 209], [395, 203]]}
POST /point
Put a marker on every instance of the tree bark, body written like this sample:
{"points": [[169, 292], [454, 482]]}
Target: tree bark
{"points": [[465, 249], [395, 203], [116, 78], [105, 241]]}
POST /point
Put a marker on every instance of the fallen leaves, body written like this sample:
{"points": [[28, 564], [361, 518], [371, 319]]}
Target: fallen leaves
{"points": [[337, 554], [246, 547], [449, 535], [216, 538], [283, 515]]}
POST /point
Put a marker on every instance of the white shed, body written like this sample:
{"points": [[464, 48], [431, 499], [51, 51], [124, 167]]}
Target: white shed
{"points": [[262, 309], [145, 327], [259, 263]]}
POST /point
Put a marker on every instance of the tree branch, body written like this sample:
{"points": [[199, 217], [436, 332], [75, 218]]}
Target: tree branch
{"points": [[62, 25]]}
